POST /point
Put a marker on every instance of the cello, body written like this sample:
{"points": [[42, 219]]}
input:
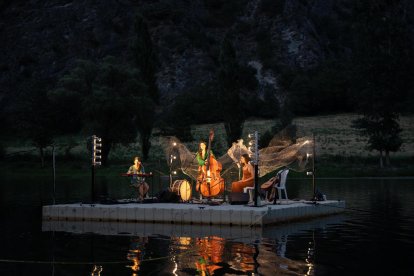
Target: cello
{"points": [[209, 181]]}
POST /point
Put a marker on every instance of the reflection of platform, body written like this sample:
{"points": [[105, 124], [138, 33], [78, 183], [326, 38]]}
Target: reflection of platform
{"points": [[152, 229], [238, 233], [193, 213]]}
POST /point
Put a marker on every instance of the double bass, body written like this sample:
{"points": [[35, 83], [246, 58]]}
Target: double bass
{"points": [[209, 181]]}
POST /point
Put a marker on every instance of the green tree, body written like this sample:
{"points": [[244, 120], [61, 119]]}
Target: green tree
{"points": [[145, 56], [383, 64], [232, 79], [109, 101], [35, 117], [145, 59], [383, 134]]}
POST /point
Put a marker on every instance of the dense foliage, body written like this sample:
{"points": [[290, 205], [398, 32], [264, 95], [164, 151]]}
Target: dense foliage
{"points": [[104, 100]]}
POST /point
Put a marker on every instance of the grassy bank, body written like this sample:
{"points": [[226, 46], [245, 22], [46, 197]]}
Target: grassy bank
{"points": [[340, 150], [326, 166]]}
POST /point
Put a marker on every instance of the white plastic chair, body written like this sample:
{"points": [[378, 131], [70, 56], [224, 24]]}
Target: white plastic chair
{"points": [[281, 187], [249, 190]]}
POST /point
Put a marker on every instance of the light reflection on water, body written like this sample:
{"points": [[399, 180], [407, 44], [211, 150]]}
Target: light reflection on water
{"points": [[374, 236], [239, 250]]}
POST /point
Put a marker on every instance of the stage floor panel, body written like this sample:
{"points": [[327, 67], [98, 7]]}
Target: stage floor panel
{"points": [[190, 213]]}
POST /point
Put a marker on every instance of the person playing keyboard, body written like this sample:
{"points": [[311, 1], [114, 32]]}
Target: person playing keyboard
{"points": [[138, 181]]}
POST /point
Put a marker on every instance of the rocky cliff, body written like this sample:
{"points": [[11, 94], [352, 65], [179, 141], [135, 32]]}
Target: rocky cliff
{"points": [[43, 39]]}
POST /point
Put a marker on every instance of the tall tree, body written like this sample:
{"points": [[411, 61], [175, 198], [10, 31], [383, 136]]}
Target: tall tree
{"points": [[145, 56], [383, 65], [230, 83], [35, 117], [145, 59]]}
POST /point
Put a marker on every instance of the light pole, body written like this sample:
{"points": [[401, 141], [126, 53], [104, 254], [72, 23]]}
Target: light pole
{"points": [[254, 148], [313, 168], [312, 173], [172, 158]]}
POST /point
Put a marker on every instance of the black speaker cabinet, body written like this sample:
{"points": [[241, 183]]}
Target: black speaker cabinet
{"points": [[239, 198]]}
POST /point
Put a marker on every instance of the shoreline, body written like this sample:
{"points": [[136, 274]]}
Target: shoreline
{"points": [[403, 168]]}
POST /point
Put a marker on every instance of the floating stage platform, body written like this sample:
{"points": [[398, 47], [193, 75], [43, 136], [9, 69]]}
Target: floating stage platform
{"points": [[236, 233], [193, 214]]}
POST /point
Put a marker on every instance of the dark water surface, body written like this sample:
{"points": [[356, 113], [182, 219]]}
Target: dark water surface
{"points": [[374, 236]]}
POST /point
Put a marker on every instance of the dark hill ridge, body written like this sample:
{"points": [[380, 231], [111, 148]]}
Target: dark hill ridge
{"points": [[43, 39]]}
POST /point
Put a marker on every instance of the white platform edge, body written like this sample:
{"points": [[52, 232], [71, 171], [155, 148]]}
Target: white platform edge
{"points": [[174, 213]]}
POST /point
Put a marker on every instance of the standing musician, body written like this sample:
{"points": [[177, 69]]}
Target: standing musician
{"points": [[248, 175], [202, 160], [202, 155], [136, 180], [209, 181]]}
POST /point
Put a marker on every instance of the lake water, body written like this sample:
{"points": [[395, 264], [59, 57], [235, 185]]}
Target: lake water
{"points": [[374, 236]]}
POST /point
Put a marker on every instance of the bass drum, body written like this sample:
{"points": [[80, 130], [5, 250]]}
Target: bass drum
{"points": [[182, 188]]}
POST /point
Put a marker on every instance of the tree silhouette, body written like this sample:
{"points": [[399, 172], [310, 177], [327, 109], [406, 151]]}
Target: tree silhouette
{"points": [[109, 100], [35, 117], [383, 64], [145, 57], [232, 78]]}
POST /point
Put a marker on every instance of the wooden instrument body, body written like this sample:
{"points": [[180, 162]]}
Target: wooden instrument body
{"points": [[209, 181]]}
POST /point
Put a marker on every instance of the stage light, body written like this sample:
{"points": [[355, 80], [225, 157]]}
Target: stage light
{"points": [[96, 270], [174, 172], [174, 144], [96, 150]]}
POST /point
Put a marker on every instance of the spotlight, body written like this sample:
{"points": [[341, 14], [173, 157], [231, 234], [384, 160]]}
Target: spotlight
{"points": [[96, 150]]}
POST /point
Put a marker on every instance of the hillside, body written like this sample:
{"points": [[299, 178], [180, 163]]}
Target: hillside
{"points": [[333, 134], [43, 39]]}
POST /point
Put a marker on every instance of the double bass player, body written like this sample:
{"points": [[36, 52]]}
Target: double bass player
{"points": [[209, 181]]}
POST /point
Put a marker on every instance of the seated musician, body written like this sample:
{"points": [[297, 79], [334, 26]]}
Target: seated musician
{"points": [[248, 175], [136, 180]]}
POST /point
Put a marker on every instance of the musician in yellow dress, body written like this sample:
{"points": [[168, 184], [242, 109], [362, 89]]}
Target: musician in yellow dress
{"points": [[138, 181]]}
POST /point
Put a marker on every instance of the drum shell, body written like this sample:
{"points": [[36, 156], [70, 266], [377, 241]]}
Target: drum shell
{"points": [[182, 188]]}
